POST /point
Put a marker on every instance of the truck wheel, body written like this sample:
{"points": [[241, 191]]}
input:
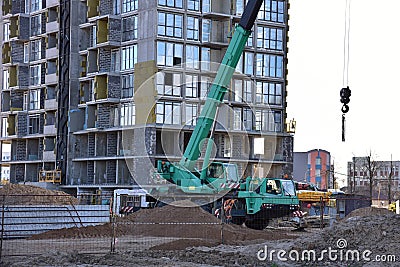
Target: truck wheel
{"points": [[256, 224]]}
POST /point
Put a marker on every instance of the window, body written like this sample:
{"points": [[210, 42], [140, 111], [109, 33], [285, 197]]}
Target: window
{"points": [[127, 86], [192, 57], [94, 36], [250, 40], [35, 5], [248, 91], [248, 119], [267, 120], [36, 25], [237, 118], [128, 57], [6, 32], [4, 126], [127, 114], [269, 93], [50, 118], [25, 102], [36, 49], [192, 29], [33, 124], [205, 58], [170, 25], [239, 7], [248, 63], [169, 54], [192, 85], [194, 5], [34, 99], [269, 65], [26, 52], [258, 120], [272, 10], [227, 146], [204, 86], [6, 79], [206, 31], [169, 84], [269, 38], [206, 5], [171, 3], [238, 90], [191, 114], [35, 73], [168, 113], [129, 28], [117, 7], [129, 5], [115, 60]]}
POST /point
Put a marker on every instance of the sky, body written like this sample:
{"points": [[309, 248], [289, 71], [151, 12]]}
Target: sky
{"points": [[315, 77]]}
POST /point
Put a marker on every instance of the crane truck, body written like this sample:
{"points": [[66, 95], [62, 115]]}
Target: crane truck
{"points": [[250, 200]]}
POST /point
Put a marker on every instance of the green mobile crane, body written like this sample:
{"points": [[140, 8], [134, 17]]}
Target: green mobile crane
{"points": [[255, 200]]}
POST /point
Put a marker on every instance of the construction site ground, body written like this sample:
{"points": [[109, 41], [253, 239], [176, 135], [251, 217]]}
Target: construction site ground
{"points": [[176, 236]]}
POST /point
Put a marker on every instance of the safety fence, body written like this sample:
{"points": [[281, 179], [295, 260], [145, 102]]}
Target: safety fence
{"points": [[34, 224]]}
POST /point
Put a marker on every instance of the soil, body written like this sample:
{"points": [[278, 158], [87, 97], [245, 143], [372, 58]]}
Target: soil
{"points": [[368, 211], [18, 194]]}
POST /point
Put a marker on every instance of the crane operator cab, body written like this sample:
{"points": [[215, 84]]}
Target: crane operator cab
{"points": [[226, 171]]}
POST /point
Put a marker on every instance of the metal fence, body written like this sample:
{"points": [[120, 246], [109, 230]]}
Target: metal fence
{"points": [[33, 224]]}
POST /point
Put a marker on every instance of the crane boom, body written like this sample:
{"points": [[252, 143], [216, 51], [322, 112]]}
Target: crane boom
{"points": [[220, 84]]}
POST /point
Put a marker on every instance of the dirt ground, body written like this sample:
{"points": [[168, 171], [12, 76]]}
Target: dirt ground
{"points": [[172, 236]]}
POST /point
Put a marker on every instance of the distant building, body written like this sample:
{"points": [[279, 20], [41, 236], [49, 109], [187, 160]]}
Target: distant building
{"points": [[313, 167]]}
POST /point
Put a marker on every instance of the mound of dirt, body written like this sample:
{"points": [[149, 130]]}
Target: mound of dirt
{"points": [[377, 233], [18, 194], [170, 221], [368, 211]]}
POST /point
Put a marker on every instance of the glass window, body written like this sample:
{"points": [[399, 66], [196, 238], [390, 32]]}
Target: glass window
{"points": [[192, 29], [248, 119], [206, 82], [35, 5], [270, 38], [26, 52], [248, 91], [206, 30], [4, 126], [269, 93], [192, 86], [169, 54], [33, 124], [237, 118], [127, 114], [238, 90], [269, 65], [250, 40], [206, 5], [117, 7], [129, 5], [25, 101], [169, 84], [194, 5], [227, 147], [34, 99], [127, 86], [205, 58], [129, 28], [6, 32], [6, 79], [170, 3], [36, 25], [128, 57], [168, 113], [35, 73], [170, 25], [272, 10], [191, 114], [115, 60], [36, 50], [248, 63], [239, 7], [192, 57]]}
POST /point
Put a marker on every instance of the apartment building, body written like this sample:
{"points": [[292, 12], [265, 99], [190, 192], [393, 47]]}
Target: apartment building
{"points": [[132, 77]]}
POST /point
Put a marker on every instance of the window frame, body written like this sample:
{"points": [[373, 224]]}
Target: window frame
{"points": [[127, 85], [165, 28], [129, 28], [174, 108]]}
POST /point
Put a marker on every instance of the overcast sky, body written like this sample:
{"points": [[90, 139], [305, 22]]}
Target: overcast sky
{"points": [[316, 55]]}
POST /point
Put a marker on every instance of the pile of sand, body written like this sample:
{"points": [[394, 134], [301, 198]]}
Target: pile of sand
{"points": [[18, 194], [368, 211], [170, 221]]}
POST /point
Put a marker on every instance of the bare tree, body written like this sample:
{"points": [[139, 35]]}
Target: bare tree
{"points": [[390, 181], [372, 166]]}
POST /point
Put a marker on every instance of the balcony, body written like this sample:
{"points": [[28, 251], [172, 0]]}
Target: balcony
{"points": [[106, 32], [51, 78], [52, 52], [52, 27]]}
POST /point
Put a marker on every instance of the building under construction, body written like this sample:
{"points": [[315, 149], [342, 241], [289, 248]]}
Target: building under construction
{"points": [[94, 92]]}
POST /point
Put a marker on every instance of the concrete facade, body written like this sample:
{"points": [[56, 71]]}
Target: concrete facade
{"points": [[122, 118]]}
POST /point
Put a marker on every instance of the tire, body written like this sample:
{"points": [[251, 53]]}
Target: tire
{"points": [[256, 224]]}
